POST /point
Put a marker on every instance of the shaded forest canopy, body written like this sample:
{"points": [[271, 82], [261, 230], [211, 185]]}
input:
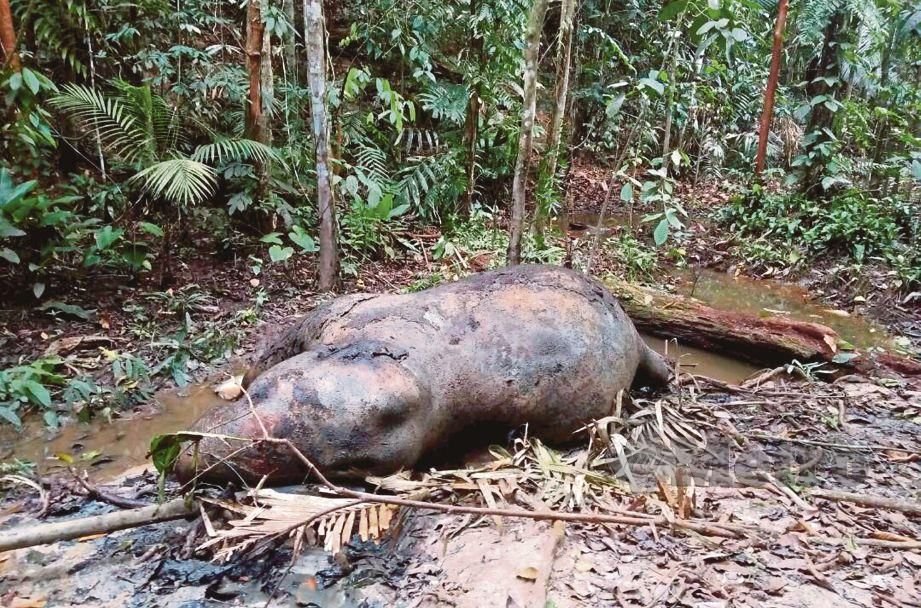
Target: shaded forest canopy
{"points": [[296, 145]]}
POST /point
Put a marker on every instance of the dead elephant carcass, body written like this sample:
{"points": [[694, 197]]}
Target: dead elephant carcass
{"points": [[370, 383]]}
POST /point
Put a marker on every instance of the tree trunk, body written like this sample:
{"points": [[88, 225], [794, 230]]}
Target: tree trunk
{"points": [[564, 63], [821, 117], [290, 43], [526, 137], [471, 131], [315, 40], [254, 34], [572, 112], [882, 127], [8, 37], [669, 107], [759, 340], [555, 134], [768, 114]]}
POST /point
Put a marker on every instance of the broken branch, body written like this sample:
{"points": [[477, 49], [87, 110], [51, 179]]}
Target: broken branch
{"points": [[44, 534]]}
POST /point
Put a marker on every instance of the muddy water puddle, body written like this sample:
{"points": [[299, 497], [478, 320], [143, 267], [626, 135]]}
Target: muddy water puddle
{"points": [[701, 362], [107, 449], [765, 297]]}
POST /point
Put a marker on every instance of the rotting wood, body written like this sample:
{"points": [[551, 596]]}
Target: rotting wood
{"points": [[43, 534], [761, 340]]}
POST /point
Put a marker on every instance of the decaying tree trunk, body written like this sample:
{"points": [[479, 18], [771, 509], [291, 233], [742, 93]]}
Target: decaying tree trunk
{"points": [[315, 39], [8, 37], [526, 137], [759, 340], [254, 34], [771, 90]]}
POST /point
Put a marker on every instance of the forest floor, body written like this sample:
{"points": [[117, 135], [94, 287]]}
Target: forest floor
{"points": [[857, 434], [766, 535]]}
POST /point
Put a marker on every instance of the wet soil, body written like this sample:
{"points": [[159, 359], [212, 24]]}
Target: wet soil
{"points": [[857, 436]]}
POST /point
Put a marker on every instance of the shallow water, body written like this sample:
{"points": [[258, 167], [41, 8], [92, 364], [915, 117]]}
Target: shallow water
{"points": [[108, 449], [702, 363], [766, 297]]}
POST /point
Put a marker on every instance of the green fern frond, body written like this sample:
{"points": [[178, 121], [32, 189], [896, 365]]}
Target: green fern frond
{"points": [[446, 102], [180, 180]]}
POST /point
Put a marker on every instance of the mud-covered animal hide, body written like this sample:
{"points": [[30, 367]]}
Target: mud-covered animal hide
{"points": [[371, 383]]}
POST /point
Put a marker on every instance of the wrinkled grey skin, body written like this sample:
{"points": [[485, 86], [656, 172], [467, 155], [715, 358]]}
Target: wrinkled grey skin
{"points": [[371, 383]]}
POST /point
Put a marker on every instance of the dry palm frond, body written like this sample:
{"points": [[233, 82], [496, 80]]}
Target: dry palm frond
{"points": [[277, 514]]}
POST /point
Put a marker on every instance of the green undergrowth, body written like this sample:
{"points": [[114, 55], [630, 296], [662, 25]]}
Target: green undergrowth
{"points": [[789, 230]]}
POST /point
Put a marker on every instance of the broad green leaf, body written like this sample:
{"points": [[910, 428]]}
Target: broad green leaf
{"points": [[38, 289], [8, 230], [28, 76], [655, 85], [280, 254], [9, 255], [660, 234], [10, 416], [672, 10], [107, 236], [152, 229], [38, 392], [626, 193], [164, 452], [302, 240], [273, 237], [51, 419], [68, 309]]}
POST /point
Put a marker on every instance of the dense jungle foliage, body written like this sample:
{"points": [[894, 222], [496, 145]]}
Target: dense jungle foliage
{"points": [[138, 137]]}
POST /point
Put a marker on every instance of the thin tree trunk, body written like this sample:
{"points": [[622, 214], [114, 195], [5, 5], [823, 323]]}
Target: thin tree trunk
{"points": [[555, 135], [768, 114], [264, 130], [882, 127], [266, 91], [572, 112], [315, 39], [254, 34], [8, 37], [526, 137], [669, 109], [471, 132], [290, 42], [821, 117]]}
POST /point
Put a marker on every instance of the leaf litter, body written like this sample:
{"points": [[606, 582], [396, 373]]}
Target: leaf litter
{"points": [[743, 461]]}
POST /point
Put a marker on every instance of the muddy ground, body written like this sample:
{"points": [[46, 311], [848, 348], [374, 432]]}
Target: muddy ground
{"points": [[793, 549]]}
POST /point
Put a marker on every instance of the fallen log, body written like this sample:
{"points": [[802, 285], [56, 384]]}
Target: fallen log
{"points": [[767, 341], [43, 534]]}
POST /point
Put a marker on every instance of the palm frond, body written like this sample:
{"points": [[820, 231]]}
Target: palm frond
{"points": [[117, 126], [234, 150], [181, 180]]}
